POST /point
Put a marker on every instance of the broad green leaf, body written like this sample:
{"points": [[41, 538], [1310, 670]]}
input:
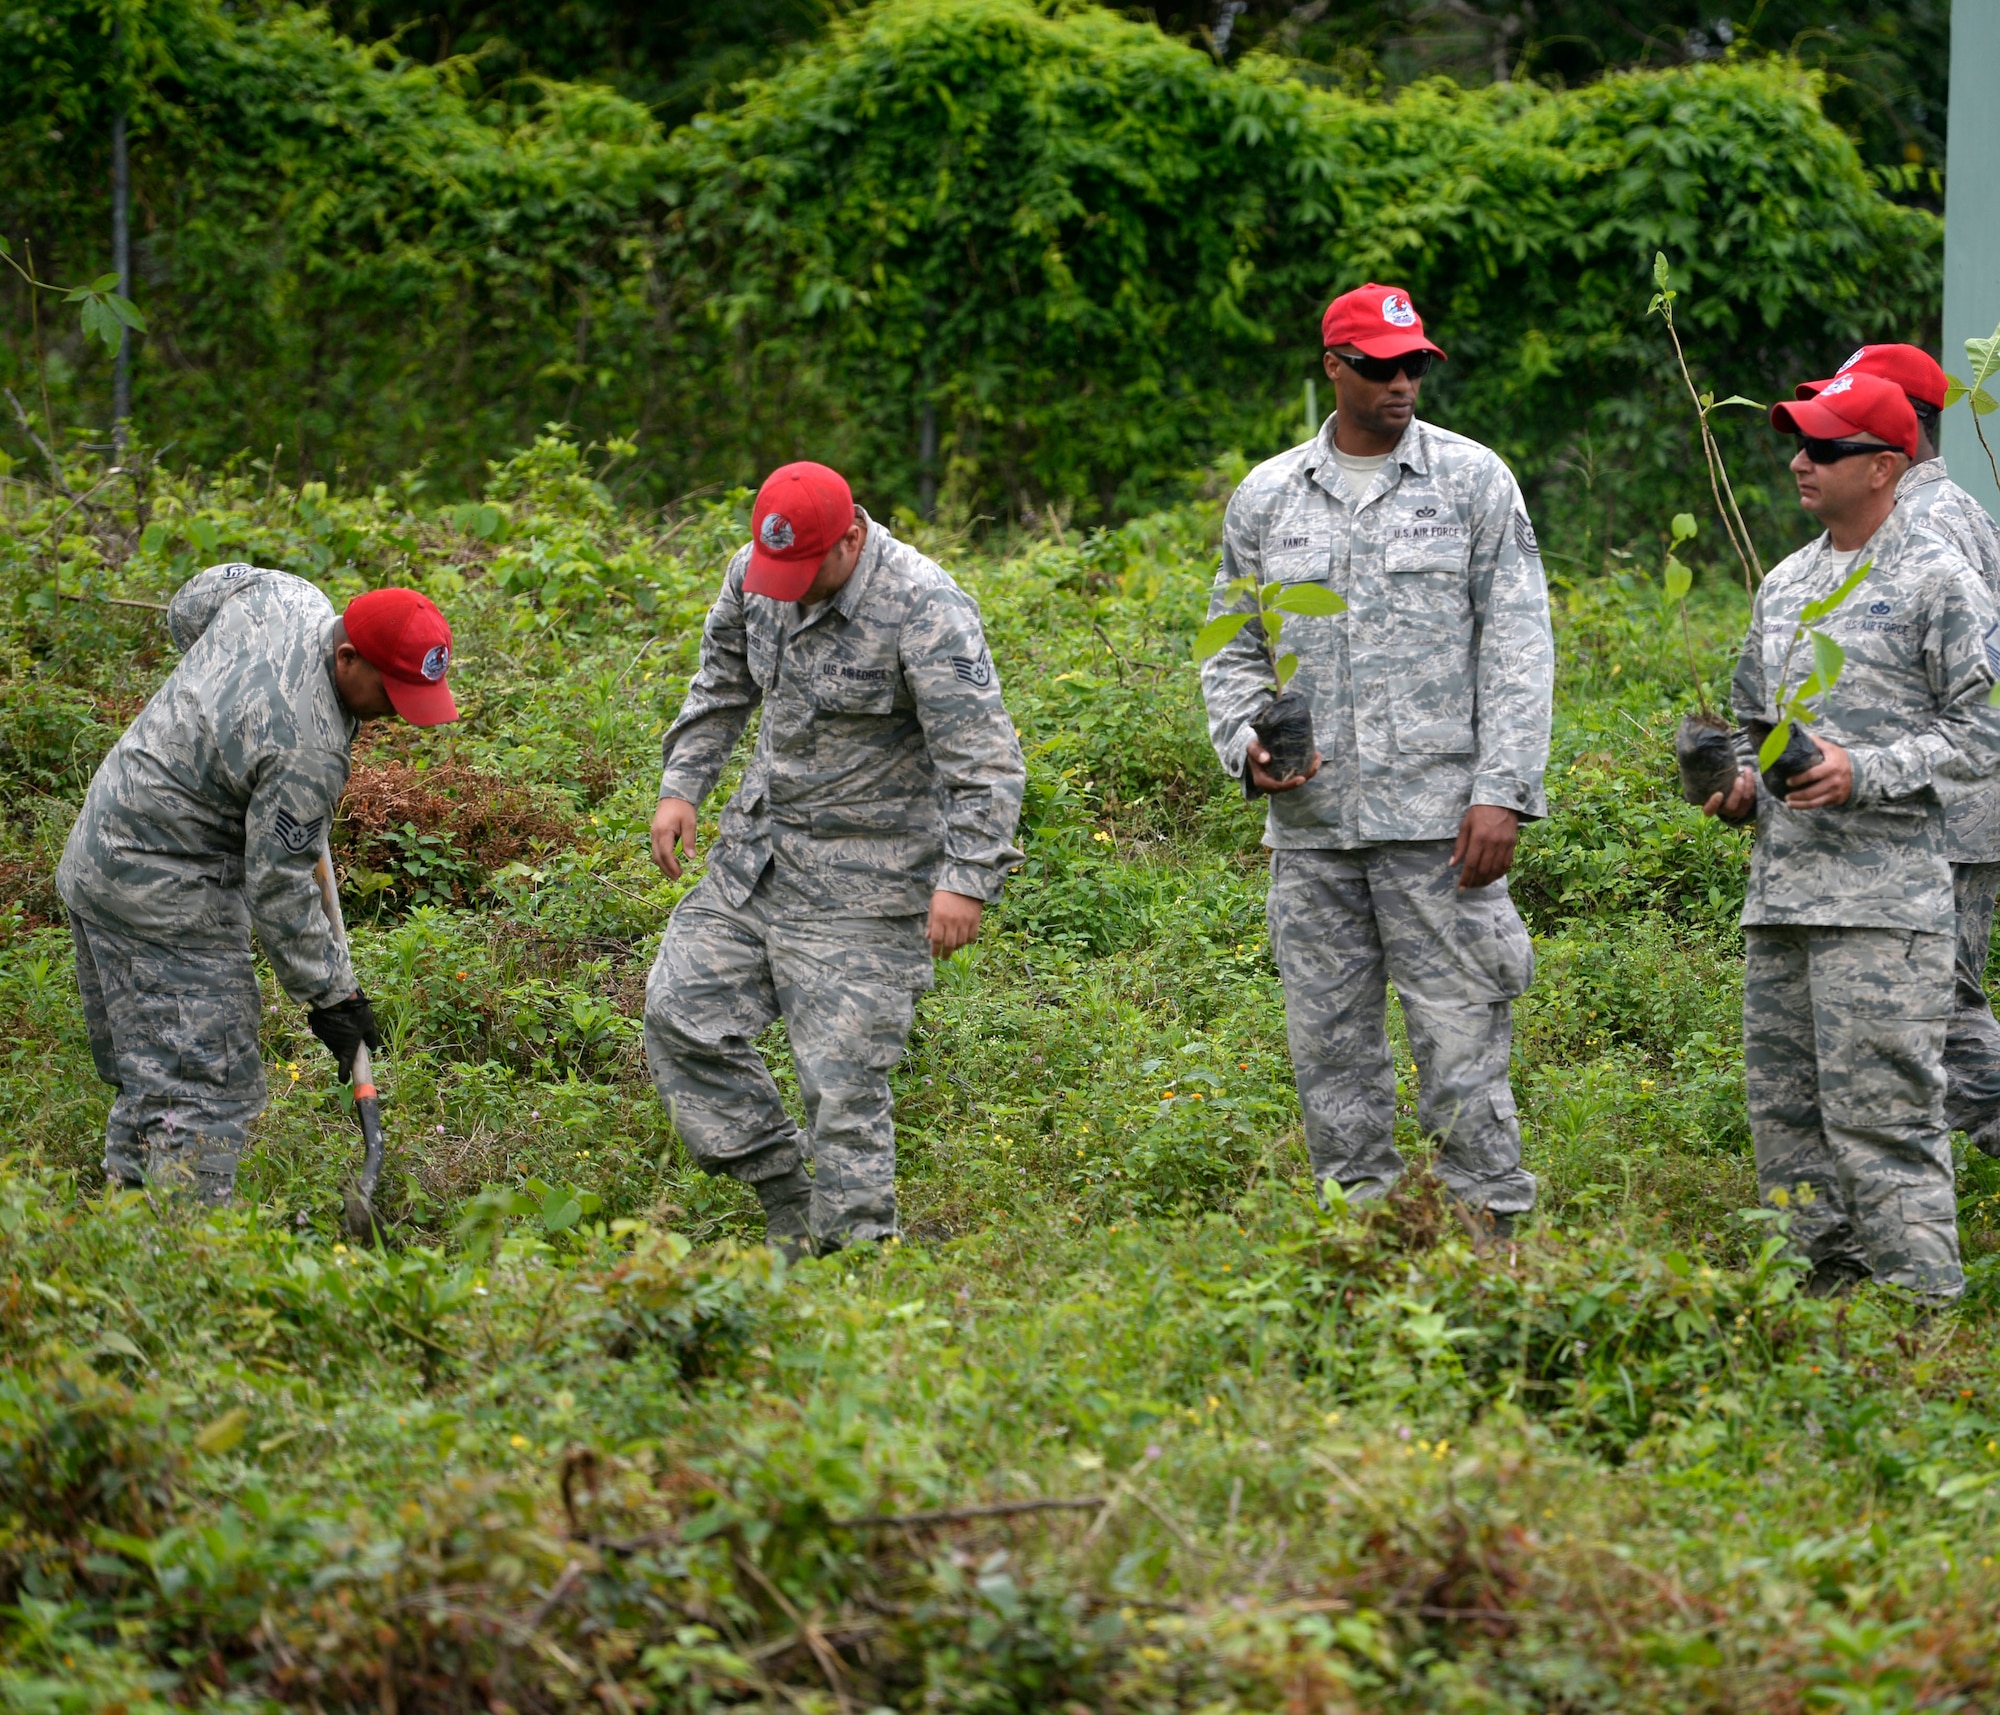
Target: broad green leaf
{"points": [[100, 323], [1993, 697], [1828, 659], [1287, 666], [1311, 599], [1738, 399], [1774, 744], [126, 311], [1955, 389], [1985, 355], [1818, 610], [1213, 636], [224, 1432], [1660, 269], [1679, 580], [1241, 587], [119, 1344], [1684, 527], [1983, 401]]}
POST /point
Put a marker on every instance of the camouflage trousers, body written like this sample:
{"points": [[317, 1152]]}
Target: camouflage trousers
{"points": [[1843, 1056], [1344, 924], [174, 1032], [846, 988], [1972, 1040]]}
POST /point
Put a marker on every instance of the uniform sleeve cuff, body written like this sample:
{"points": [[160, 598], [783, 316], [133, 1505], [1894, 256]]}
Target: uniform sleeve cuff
{"points": [[1505, 794], [686, 787], [972, 881]]}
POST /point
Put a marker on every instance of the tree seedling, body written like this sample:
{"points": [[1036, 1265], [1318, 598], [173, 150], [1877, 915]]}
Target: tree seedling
{"points": [[1705, 404], [1985, 357], [1284, 726], [1703, 745], [1778, 754]]}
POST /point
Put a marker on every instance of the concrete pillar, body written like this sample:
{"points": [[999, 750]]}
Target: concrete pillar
{"points": [[1972, 230]]}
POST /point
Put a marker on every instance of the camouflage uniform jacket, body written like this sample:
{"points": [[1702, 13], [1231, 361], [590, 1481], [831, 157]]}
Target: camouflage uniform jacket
{"points": [[883, 739], [1909, 707], [1971, 816], [207, 815], [1433, 691]]}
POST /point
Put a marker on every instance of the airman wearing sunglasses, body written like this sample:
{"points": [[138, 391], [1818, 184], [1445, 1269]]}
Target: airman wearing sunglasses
{"points": [[1430, 699], [1971, 819], [1848, 924]]}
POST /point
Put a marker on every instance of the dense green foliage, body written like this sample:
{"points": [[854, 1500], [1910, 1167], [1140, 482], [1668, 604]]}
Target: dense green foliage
{"points": [[574, 1443], [1094, 257]]}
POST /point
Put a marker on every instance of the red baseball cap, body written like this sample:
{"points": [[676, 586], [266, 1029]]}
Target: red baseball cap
{"points": [[1909, 367], [801, 511], [1379, 320], [403, 637], [1851, 404]]}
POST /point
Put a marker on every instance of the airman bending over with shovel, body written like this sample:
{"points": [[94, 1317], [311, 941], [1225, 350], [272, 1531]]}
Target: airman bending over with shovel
{"points": [[206, 820]]}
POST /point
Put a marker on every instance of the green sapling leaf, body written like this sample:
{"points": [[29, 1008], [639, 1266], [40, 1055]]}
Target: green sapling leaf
{"points": [[1983, 401], [1685, 527], [1660, 269], [1212, 637], [126, 311], [1679, 580], [1774, 744], [1738, 399], [1828, 659], [1985, 355], [1287, 666], [1954, 390], [1310, 599], [1818, 610]]}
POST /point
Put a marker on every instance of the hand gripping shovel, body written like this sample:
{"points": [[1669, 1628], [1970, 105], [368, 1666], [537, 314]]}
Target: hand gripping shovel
{"points": [[357, 1194]]}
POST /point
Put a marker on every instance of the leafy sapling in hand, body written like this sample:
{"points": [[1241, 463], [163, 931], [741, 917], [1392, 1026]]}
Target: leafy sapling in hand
{"points": [[1786, 750], [1704, 746], [1283, 728]]}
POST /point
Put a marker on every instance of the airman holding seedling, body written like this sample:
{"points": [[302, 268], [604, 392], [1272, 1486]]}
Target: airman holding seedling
{"points": [[1396, 562], [1877, 636], [1928, 496]]}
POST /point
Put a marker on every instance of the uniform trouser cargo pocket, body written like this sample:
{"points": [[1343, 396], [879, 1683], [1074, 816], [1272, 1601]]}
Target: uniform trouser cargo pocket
{"points": [[174, 1032]]}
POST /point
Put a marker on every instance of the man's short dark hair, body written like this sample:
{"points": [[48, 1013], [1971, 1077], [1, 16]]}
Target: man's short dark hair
{"points": [[1927, 419]]}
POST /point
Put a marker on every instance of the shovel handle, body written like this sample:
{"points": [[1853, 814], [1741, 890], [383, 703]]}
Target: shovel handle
{"points": [[366, 1102]]}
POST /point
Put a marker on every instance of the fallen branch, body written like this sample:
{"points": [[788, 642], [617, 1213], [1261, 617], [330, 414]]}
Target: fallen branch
{"points": [[114, 600], [956, 1515]]}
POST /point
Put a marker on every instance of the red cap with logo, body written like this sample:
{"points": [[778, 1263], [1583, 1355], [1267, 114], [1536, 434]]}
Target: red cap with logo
{"points": [[1378, 321], [800, 512], [1849, 405], [403, 637], [1909, 367]]}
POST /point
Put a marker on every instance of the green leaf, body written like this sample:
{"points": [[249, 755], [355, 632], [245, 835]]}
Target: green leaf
{"points": [[1217, 633], [1985, 355], [1828, 659], [1679, 580], [6, 248], [1287, 666], [1684, 527], [1660, 269], [1982, 401], [224, 1432], [1818, 610], [126, 311], [1954, 391], [1774, 744], [1311, 599], [1738, 399], [100, 323]]}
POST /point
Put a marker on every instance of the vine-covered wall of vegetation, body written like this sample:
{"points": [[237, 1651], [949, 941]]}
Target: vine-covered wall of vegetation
{"points": [[1095, 255]]}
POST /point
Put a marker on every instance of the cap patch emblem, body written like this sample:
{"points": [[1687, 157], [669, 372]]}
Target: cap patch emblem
{"points": [[776, 532], [436, 659], [1397, 311], [1852, 361], [1839, 384], [237, 569]]}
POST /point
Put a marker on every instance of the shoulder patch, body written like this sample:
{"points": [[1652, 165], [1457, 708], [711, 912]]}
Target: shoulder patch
{"points": [[296, 836], [1524, 537], [977, 673]]}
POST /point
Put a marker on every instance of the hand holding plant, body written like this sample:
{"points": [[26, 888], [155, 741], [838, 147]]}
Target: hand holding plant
{"points": [[1284, 726], [1704, 746], [1785, 751]]}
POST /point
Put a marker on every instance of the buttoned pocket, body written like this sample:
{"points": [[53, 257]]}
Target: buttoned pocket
{"points": [[845, 688], [762, 647]]}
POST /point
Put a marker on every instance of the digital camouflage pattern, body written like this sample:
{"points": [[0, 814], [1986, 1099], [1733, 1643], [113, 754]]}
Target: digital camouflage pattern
{"points": [[885, 768], [846, 987], [1434, 690], [1843, 1043], [207, 815], [1343, 922], [1910, 707], [1927, 497], [173, 1030], [883, 737], [1972, 1040]]}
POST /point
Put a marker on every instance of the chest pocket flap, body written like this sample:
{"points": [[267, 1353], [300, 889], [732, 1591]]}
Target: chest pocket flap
{"points": [[844, 687]]}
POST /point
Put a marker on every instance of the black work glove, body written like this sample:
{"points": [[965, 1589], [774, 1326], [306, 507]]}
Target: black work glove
{"points": [[344, 1028]]}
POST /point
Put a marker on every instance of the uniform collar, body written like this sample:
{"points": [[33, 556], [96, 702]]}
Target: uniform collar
{"points": [[1411, 451], [1920, 476], [846, 600]]}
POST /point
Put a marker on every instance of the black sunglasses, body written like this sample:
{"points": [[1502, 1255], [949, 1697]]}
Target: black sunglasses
{"points": [[1415, 364], [1832, 452]]}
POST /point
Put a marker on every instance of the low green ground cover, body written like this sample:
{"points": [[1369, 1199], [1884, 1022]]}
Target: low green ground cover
{"points": [[577, 1440]]}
